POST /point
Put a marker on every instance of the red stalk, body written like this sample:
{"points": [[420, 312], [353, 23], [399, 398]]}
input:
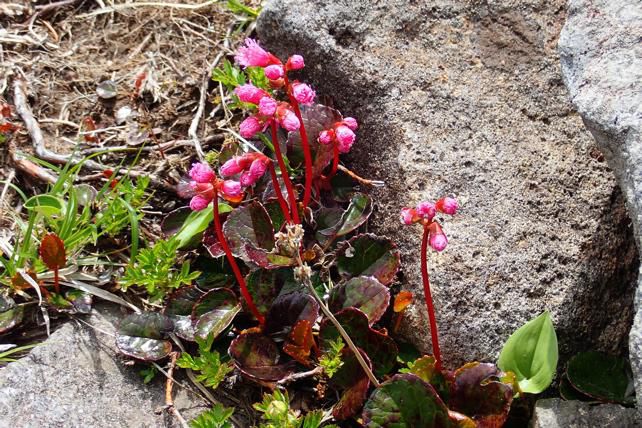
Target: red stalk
{"points": [[279, 195], [56, 281], [429, 304], [284, 173], [304, 143], [232, 261], [335, 160]]}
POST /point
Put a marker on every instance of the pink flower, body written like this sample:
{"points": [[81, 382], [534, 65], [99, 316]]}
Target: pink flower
{"points": [[252, 55], [231, 188], [258, 167], [247, 179], [447, 205], [249, 93], [345, 138], [202, 173], [267, 106], [250, 126], [408, 215], [303, 93], [198, 203], [274, 72], [351, 123], [326, 137], [438, 240], [232, 166], [289, 121], [295, 62], [426, 210]]}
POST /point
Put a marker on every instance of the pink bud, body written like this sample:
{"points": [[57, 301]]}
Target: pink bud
{"points": [[303, 93], [202, 173], [267, 106], [252, 55], [258, 168], [274, 72], [198, 203], [408, 215], [426, 210], [295, 62], [351, 123], [232, 167], [249, 127], [345, 138], [447, 205], [249, 93], [247, 179], [326, 137], [289, 121], [231, 188], [438, 240]]}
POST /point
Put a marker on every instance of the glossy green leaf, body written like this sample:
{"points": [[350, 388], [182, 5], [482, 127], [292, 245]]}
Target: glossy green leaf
{"points": [[567, 392], [257, 357], [604, 377], [531, 353], [179, 307], [264, 286], [426, 368], [142, 336], [249, 227], [364, 293], [45, 204], [405, 401], [214, 312], [369, 255], [188, 224], [355, 215]]}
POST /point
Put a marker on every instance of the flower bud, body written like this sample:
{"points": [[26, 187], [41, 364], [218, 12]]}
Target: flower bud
{"points": [[231, 188], [274, 72], [198, 203], [438, 240], [326, 137], [267, 106], [426, 210], [408, 216], [249, 93], [303, 93], [447, 205], [345, 137], [249, 127], [202, 173], [351, 123], [295, 62], [289, 121], [252, 55], [247, 179], [258, 167]]}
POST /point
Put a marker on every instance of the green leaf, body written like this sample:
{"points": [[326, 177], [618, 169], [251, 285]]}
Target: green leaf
{"points": [[603, 377], [142, 336], [369, 255], [45, 204], [190, 223], [216, 417], [426, 368], [405, 401], [212, 369], [257, 357], [531, 353], [214, 312], [364, 293], [10, 314]]}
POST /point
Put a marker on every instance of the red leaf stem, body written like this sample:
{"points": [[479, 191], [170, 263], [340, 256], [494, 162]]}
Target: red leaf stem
{"points": [[284, 173], [279, 195]]}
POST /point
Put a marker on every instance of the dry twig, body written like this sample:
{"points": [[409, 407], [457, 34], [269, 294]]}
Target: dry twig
{"points": [[169, 400]]}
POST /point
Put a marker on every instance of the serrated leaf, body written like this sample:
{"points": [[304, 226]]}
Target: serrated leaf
{"points": [[142, 336], [249, 227], [369, 255], [531, 353], [364, 293], [603, 377], [405, 401]]}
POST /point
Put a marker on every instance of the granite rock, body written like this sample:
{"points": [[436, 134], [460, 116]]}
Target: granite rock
{"points": [[466, 99], [76, 378], [557, 413]]}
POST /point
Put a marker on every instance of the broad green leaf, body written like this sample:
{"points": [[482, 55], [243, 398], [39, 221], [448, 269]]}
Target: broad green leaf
{"points": [[365, 293], [531, 353], [369, 255], [257, 357], [603, 377], [142, 336], [190, 224], [214, 312], [45, 204]]}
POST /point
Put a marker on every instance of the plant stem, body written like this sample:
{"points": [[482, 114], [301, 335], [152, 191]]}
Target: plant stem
{"points": [[342, 332], [284, 173], [56, 281], [429, 304], [335, 160], [279, 195], [304, 143], [232, 261]]}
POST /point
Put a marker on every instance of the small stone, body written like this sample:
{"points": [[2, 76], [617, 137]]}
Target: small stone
{"points": [[557, 413], [106, 89]]}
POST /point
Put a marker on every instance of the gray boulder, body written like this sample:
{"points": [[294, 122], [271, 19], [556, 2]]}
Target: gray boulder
{"points": [[77, 378], [601, 56], [556, 413], [466, 99]]}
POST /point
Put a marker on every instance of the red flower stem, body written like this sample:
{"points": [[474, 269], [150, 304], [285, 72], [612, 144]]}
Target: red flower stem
{"points": [[232, 261], [284, 173], [429, 304], [279, 195], [304, 143], [335, 160], [56, 281]]}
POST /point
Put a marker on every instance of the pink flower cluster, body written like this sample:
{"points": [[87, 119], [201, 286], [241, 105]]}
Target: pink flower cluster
{"points": [[204, 182], [425, 213], [251, 166], [342, 134], [268, 109]]}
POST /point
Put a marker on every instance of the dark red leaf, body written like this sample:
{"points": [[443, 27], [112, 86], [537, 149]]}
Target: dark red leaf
{"points": [[52, 251], [300, 341]]}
